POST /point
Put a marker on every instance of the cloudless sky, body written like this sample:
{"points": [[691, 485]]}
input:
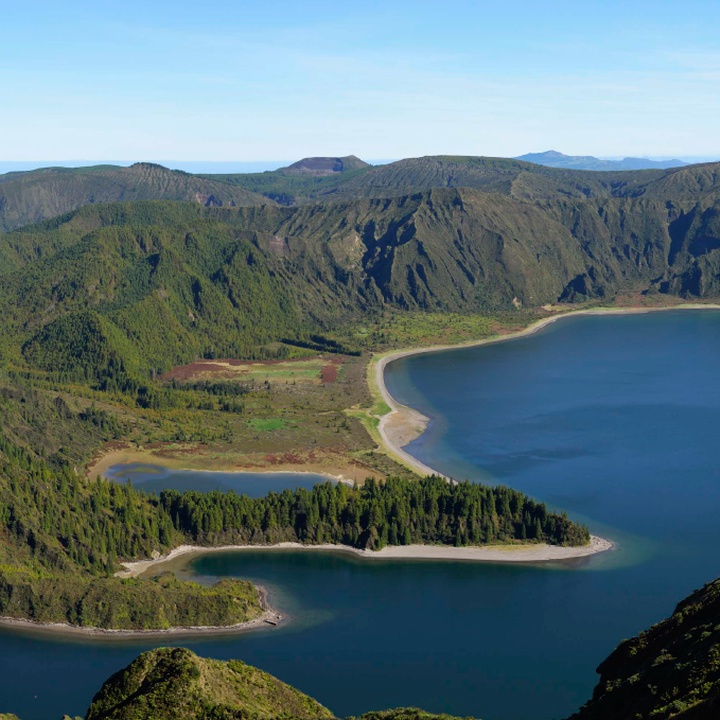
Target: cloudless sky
{"points": [[226, 81]]}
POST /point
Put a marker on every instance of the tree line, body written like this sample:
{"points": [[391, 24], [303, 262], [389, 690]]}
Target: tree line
{"points": [[394, 512]]}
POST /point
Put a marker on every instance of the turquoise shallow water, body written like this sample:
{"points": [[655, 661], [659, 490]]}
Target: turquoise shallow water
{"points": [[613, 419]]}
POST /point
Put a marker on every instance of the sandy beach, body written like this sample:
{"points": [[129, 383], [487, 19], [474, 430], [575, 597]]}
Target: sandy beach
{"points": [[272, 618], [403, 424], [527, 553]]}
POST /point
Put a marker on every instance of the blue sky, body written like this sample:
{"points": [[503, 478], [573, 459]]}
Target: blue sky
{"points": [[226, 81]]}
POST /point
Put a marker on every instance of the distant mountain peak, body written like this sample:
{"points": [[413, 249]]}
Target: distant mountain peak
{"points": [[553, 158], [325, 165], [548, 154], [148, 166]]}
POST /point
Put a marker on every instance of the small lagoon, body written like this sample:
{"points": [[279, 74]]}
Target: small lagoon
{"points": [[155, 478]]}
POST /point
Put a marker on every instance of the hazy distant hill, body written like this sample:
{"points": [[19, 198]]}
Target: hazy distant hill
{"points": [[552, 158], [514, 178], [499, 175], [320, 166], [29, 197]]}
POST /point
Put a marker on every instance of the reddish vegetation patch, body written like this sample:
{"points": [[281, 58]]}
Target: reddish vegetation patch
{"points": [[188, 372], [179, 452], [284, 459], [329, 373], [200, 367]]}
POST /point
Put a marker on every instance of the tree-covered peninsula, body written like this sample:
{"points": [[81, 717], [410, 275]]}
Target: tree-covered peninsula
{"points": [[62, 536]]}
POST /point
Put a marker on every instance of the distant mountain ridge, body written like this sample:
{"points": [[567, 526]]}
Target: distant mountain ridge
{"points": [[165, 281], [33, 196], [553, 158]]}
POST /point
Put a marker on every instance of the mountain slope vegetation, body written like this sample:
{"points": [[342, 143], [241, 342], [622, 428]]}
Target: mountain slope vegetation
{"points": [[32, 196], [176, 684], [100, 300], [160, 283], [671, 670]]}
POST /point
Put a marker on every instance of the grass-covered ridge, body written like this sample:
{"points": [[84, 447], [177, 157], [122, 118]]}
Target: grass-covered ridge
{"points": [[150, 285], [176, 684], [27, 197]]}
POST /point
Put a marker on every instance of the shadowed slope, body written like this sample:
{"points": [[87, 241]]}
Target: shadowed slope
{"points": [[671, 670]]}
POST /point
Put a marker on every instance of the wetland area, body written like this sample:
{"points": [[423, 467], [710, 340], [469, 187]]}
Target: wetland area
{"points": [[609, 418]]}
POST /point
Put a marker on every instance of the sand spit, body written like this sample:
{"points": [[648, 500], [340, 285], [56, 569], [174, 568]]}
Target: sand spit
{"points": [[527, 553]]}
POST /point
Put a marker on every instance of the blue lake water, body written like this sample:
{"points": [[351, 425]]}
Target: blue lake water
{"points": [[154, 478], [612, 419]]}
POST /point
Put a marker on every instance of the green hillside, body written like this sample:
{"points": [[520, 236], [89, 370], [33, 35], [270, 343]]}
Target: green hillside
{"points": [[149, 285], [29, 197], [671, 670], [497, 175], [176, 684], [100, 302]]}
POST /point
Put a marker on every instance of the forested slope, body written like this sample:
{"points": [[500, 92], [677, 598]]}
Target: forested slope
{"points": [[61, 536], [150, 285]]}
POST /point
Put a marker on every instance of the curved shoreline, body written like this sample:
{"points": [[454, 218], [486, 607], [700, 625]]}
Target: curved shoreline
{"points": [[403, 424], [269, 618], [100, 465], [513, 553]]}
